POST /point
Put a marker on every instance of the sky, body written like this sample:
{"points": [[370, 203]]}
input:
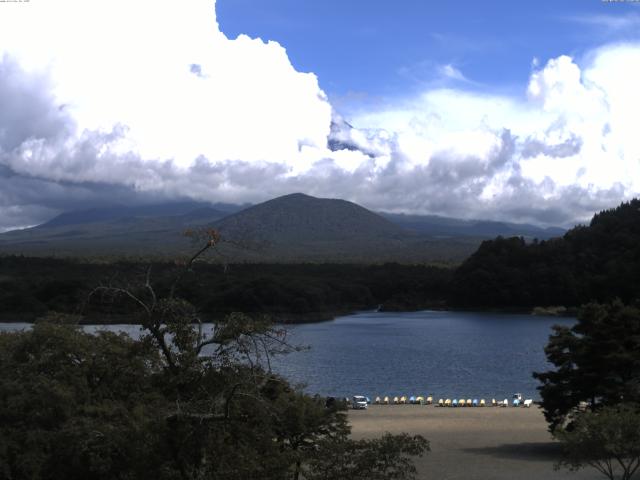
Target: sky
{"points": [[513, 111]]}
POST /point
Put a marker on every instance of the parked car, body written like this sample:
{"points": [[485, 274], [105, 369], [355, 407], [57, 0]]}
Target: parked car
{"points": [[359, 402]]}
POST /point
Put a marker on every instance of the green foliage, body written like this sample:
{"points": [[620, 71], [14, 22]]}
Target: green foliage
{"points": [[595, 263], [607, 440], [33, 286], [176, 404], [388, 457], [72, 402], [596, 361]]}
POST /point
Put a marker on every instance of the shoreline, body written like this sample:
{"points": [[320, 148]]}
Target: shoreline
{"points": [[287, 318]]}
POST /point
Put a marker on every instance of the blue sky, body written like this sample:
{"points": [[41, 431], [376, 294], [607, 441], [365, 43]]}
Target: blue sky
{"points": [[376, 50], [522, 111]]}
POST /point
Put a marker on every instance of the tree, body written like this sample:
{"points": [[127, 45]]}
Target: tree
{"points": [[384, 458], [75, 405], [607, 440], [180, 403], [597, 361]]}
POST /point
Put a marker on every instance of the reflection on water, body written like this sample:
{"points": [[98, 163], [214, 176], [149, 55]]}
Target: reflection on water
{"points": [[448, 354]]}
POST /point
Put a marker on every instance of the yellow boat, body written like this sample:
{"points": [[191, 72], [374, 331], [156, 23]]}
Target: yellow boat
{"points": [[469, 402], [429, 400], [420, 400], [403, 399], [441, 402], [482, 402], [447, 402], [385, 401], [461, 402], [493, 402]]}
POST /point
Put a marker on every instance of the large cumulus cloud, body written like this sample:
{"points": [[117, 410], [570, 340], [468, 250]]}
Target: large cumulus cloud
{"points": [[134, 107]]}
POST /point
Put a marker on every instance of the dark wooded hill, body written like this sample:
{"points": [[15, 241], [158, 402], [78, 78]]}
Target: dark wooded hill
{"points": [[598, 262], [301, 228]]}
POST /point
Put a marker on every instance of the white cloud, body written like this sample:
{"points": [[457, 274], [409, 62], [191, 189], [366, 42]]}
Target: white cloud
{"points": [[449, 71], [149, 97], [574, 132], [133, 63], [609, 22]]}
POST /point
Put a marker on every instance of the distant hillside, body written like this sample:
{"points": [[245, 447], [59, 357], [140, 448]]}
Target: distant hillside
{"points": [[117, 230], [299, 227], [292, 228], [302, 218], [596, 262], [116, 212], [434, 225]]}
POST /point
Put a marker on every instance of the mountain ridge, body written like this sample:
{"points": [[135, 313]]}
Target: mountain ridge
{"points": [[291, 228]]}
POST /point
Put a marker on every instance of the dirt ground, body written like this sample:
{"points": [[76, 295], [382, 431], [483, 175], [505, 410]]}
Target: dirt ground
{"points": [[488, 443]]}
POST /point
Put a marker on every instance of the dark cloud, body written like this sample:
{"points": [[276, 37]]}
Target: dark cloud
{"points": [[27, 109]]}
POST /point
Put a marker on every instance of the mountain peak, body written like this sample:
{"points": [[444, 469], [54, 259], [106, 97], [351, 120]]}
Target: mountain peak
{"points": [[298, 217]]}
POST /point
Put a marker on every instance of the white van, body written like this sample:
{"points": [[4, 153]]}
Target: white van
{"points": [[359, 402]]}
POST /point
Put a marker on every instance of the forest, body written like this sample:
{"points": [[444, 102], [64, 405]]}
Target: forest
{"points": [[30, 287], [599, 262]]}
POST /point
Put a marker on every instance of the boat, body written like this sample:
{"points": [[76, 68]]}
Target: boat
{"points": [[377, 401], [429, 399], [447, 402], [403, 399], [528, 402], [494, 403], [420, 400], [475, 402], [468, 402], [482, 404], [440, 402], [396, 400], [462, 402], [412, 400], [385, 401], [454, 403]]}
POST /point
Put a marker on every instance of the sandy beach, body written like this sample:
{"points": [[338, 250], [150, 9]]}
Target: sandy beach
{"points": [[488, 443]]}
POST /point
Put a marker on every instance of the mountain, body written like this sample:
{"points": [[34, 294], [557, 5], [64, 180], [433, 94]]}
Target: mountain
{"points": [[600, 262], [292, 228], [119, 212], [135, 230], [302, 218], [299, 227], [437, 226]]}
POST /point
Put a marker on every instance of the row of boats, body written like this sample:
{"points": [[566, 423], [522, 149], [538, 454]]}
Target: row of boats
{"points": [[517, 401]]}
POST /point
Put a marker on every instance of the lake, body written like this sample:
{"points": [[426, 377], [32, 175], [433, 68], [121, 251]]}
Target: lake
{"points": [[448, 354]]}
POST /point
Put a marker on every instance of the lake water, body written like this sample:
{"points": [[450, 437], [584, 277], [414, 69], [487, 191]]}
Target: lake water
{"points": [[448, 354]]}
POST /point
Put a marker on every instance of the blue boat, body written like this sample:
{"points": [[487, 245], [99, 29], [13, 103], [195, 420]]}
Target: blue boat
{"points": [[475, 402], [454, 403]]}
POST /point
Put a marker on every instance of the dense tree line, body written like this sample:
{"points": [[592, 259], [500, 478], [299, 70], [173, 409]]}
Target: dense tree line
{"points": [[29, 287], [598, 262], [176, 404]]}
